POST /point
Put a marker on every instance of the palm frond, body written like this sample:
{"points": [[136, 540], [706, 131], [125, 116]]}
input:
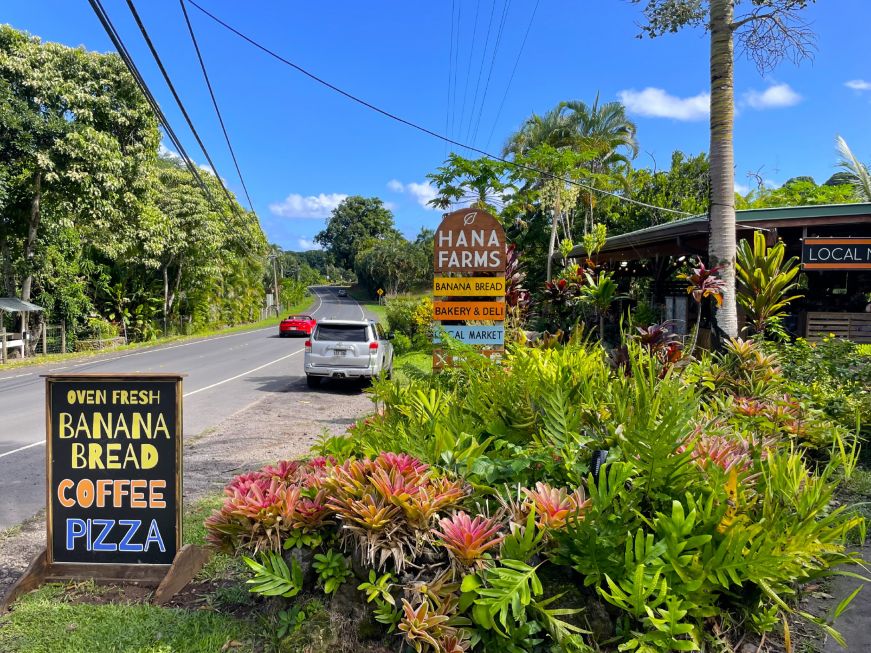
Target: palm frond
{"points": [[857, 170]]}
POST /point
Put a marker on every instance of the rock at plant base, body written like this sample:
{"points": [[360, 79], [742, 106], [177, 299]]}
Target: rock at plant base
{"points": [[593, 615], [304, 558], [349, 611]]}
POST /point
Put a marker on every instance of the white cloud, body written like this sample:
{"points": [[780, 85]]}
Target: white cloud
{"points": [[423, 192], [858, 85], [779, 95], [307, 206], [741, 189], [207, 168], [306, 245], [657, 103], [165, 153]]}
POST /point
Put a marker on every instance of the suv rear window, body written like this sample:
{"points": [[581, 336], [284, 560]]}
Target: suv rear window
{"points": [[342, 332]]}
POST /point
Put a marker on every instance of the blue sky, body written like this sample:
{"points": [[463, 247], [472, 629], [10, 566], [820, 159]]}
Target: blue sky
{"points": [[302, 147]]}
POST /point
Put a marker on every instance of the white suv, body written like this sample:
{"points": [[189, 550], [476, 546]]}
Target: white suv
{"points": [[343, 349]]}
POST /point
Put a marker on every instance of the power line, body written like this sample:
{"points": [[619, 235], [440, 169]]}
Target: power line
{"points": [[505, 10], [481, 70], [420, 128], [215, 103], [451, 132], [469, 65], [450, 73], [513, 71], [178, 101], [112, 33]]}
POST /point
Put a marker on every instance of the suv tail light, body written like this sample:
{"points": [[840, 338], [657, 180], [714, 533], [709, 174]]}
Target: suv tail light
{"points": [[308, 346], [373, 346]]}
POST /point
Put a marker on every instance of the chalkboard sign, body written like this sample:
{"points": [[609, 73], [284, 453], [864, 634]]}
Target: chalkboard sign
{"points": [[114, 468]]}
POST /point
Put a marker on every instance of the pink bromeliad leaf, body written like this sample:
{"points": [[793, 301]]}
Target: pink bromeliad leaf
{"points": [[468, 539]]}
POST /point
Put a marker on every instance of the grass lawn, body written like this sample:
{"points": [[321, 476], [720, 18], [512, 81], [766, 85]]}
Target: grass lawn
{"points": [[47, 620], [372, 304], [368, 303], [407, 364], [302, 307], [80, 618]]}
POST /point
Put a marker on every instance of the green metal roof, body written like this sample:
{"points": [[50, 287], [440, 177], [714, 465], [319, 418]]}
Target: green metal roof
{"points": [[699, 223]]}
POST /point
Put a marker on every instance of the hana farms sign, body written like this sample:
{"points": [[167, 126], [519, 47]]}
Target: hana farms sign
{"points": [[469, 240], [836, 254]]}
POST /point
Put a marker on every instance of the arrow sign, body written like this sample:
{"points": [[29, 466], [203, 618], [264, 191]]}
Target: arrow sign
{"points": [[473, 335]]}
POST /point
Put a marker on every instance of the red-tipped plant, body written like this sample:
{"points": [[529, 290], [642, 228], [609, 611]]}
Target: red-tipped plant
{"points": [[468, 539], [555, 506]]}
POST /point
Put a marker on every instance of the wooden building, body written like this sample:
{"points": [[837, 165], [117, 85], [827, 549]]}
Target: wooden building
{"points": [[833, 242]]}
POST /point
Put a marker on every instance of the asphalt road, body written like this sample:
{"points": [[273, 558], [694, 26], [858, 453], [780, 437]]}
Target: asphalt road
{"points": [[225, 373]]}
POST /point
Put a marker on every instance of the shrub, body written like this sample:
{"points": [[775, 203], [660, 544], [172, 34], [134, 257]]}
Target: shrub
{"points": [[474, 488], [410, 316]]}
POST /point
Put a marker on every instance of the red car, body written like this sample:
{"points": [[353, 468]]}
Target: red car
{"points": [[296, 325]]}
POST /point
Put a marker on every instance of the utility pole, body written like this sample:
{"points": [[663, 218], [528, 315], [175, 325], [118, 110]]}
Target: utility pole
{"points": [[275, 282]]}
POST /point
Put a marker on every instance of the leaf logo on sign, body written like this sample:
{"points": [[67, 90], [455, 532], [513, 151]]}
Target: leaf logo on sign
{"points": [[469, 218]]}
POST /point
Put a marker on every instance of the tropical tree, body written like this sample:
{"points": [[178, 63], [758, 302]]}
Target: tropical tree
{"points": [[856, 171], [799, 191], [768, 31], [77, 138], [765, 281], [354, 224]]}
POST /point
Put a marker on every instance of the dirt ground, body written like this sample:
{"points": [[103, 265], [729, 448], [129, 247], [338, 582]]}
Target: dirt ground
{"points": [[281, 425]]}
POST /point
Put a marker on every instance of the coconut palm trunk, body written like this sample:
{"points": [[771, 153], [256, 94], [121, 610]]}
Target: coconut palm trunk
{"points": [[721, 248]]}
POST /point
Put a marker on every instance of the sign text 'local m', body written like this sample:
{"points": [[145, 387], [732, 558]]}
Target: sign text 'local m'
{"points": [[114, 468], [836, 254]]}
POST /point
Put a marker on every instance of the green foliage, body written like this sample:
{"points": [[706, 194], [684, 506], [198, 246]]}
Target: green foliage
{"points": [[798, 192], [410, 317], [93, 221], [332, 570], [272, 577], [764, 281], [356, 224]]}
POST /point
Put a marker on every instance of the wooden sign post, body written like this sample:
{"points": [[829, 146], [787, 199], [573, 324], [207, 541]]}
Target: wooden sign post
{"points": [[113, 463], [469, 262]]}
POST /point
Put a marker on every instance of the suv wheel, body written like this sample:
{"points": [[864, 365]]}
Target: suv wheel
{"points": [[313, 381]]}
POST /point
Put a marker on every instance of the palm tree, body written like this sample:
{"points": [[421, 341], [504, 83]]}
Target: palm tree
{"points": [[603, 127], [857, 171], [576, 125], [553, 128]]}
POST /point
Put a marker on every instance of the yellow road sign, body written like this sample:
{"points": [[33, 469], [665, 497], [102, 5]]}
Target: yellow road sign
{"points": [[380, 291]]}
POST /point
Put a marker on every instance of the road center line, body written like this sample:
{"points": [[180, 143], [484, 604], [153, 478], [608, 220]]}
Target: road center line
{"points": [[239, 376], [193, 392]]}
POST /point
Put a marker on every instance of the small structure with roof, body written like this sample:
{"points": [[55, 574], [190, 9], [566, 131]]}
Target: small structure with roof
{"points": [[833, 242], [15, 340]]}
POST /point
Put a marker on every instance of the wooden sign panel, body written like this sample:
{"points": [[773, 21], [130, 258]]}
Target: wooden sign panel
{"points": [[442, 359], [459, 311], [836, 254], [469, 240], [113, 462], [473, 335], [468, 286]]}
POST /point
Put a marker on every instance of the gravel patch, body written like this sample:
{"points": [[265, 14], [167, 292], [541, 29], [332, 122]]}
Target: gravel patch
{"points": [[283, 424]]}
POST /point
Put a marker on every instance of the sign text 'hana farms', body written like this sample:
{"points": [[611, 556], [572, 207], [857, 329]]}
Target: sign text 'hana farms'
{"points": [[474, 335], [459, 311], [114, 447], [469, 240], [468, 287]]}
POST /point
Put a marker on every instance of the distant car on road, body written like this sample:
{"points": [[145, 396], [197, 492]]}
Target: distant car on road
{"points": [[347, 349], [343, 292], [296, 325]]}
